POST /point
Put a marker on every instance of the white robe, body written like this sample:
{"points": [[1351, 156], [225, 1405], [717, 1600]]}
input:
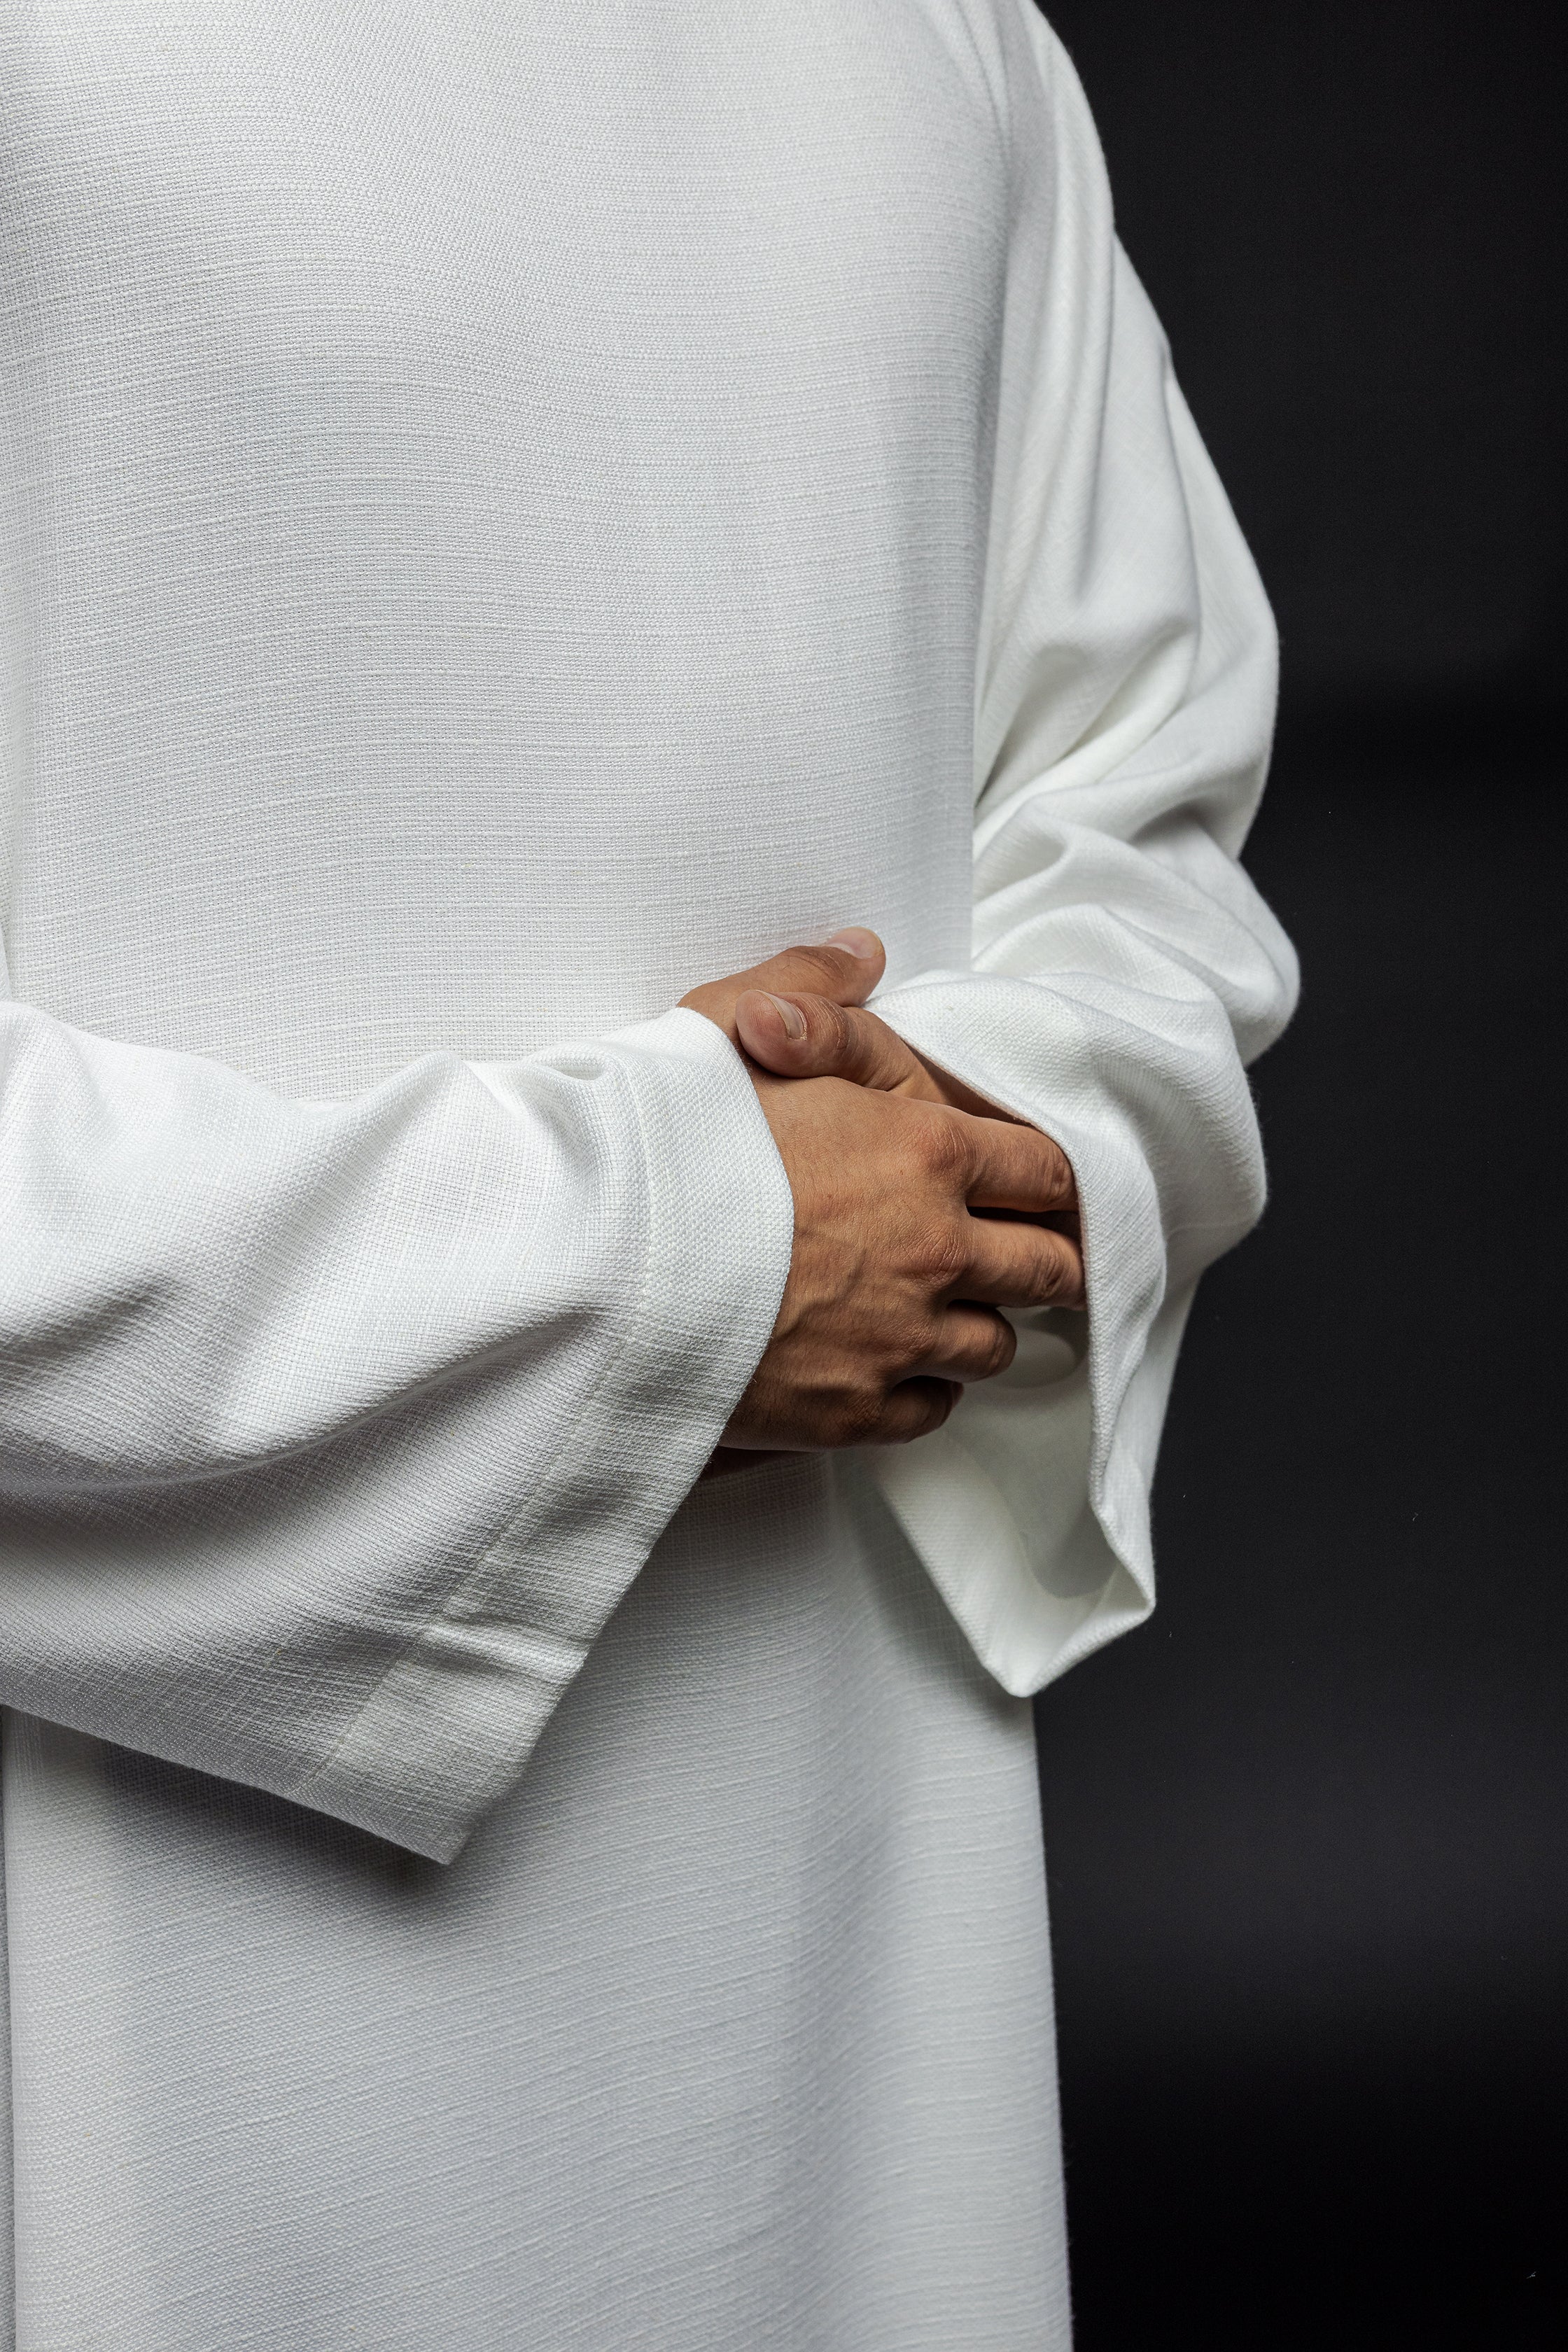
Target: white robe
{"points": [[510, 510]]}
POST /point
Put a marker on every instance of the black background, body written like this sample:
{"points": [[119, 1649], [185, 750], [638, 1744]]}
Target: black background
{"points": [[1310, 1889]]}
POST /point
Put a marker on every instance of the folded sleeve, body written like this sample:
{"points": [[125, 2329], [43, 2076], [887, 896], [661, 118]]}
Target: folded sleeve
{"points": [[332, 1432], [1124, 969]]}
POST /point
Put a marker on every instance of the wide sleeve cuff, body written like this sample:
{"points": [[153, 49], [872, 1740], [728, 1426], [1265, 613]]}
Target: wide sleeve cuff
{"points": [[1030, 1508], [452, 1722]]}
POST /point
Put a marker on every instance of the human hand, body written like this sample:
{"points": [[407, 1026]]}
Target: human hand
{"points": [[910, 1212], [843, 970], [801, 1014], [795, 1034]]}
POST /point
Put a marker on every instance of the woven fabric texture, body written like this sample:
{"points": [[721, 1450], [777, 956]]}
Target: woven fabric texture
{"points": [[509, 511]]}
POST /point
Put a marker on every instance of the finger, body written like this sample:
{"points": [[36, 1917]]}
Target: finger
{"points": [[1005, 1166], [843, 969], [973, 1343], [811, 1038], [913, 1409], [1016, 1264]]}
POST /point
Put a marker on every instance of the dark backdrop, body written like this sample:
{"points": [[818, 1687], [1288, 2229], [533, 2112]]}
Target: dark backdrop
{"points": [[1304, 1830]]}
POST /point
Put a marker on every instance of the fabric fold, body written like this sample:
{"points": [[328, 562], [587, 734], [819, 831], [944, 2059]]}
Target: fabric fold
{"points": [[333, 1432], [1124, 969], [1030, 1507]]}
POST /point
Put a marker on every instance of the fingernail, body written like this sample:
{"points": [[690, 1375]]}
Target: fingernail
{"points": [[857, 943], [792, 1016]]}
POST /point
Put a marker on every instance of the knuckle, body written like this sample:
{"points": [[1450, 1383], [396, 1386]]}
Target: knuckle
{"points": [[909, 1340], [910, 1413], [821, 968], [1058, 1272], [942, 1148], [1058, 1174], [915, 1409], [859, 1415], [943, 1396], [920, 1338], [944, 1253], [1001, 1347], [828, 1025]]}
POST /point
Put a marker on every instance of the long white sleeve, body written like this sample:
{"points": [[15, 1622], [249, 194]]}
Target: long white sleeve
{"points": [[463, 602], [331, 1432], [1124, 969]]}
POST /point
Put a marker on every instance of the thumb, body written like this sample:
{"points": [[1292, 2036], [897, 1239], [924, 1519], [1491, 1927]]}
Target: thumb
{"points": [[812, 1037], [844, 972]]}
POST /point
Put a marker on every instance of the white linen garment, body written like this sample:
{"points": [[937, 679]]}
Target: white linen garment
{"points": [[510, 510]]}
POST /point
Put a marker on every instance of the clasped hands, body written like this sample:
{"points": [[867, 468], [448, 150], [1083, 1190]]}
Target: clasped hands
{"points": [[920, 1211]]}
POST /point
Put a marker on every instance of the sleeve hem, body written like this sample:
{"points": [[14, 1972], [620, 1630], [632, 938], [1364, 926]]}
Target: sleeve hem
{"points": [[1030, 1508], [454, 1719]]}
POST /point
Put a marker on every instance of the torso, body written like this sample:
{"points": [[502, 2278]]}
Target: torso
{"points": [[499, 509], [496, 509]]}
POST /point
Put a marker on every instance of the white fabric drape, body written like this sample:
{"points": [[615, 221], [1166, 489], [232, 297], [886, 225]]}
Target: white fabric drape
{"points": [[332, 1432], [509, 513], [1124, 970]]}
